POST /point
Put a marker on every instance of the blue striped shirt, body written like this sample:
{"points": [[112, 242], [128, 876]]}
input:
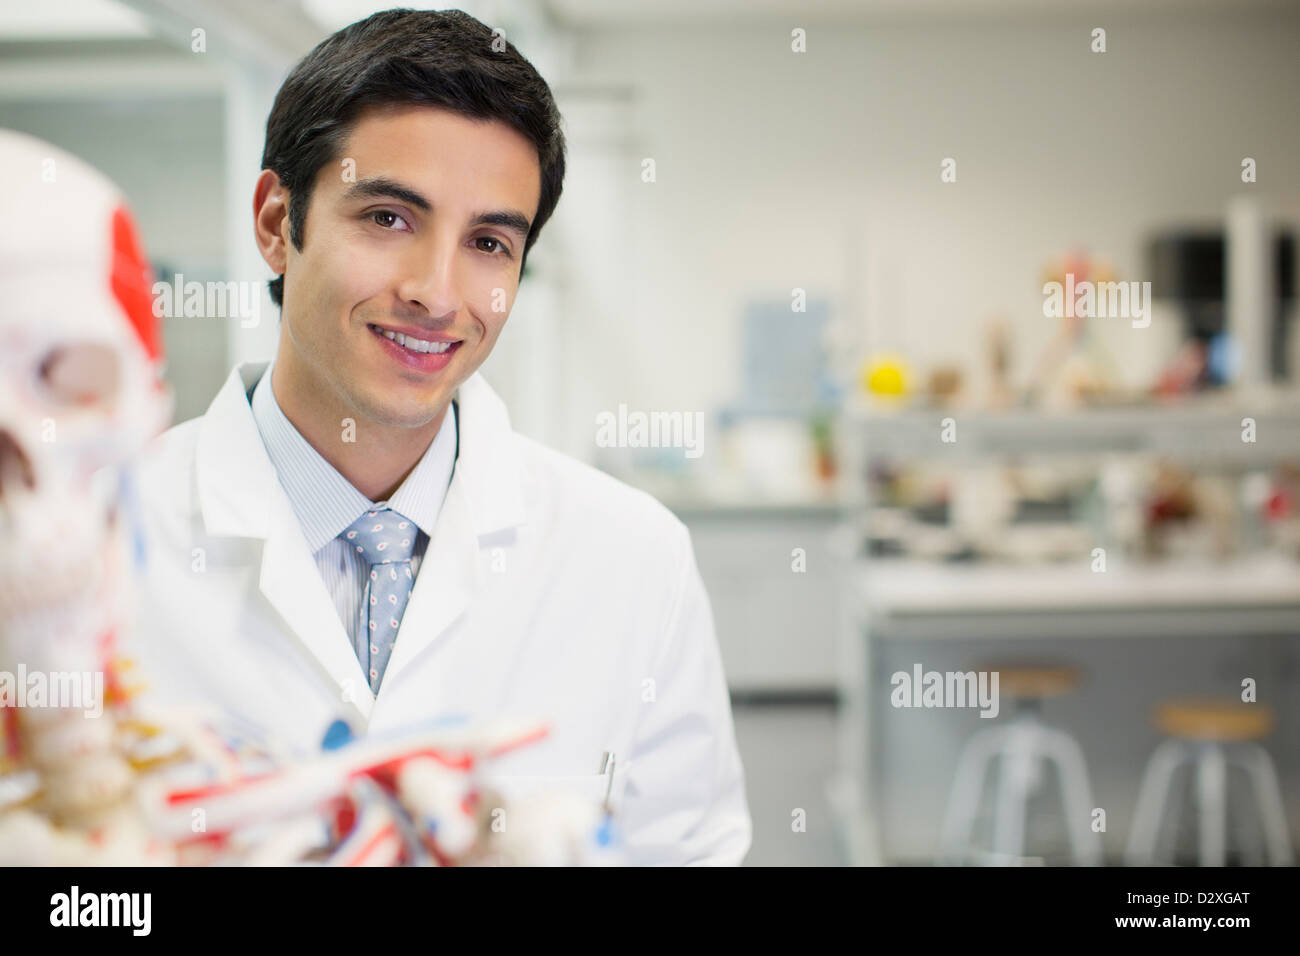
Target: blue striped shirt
{"points": [[326, 503]]}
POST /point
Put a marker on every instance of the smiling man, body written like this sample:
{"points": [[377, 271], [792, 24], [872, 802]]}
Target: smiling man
{"points": [[355, 531]]}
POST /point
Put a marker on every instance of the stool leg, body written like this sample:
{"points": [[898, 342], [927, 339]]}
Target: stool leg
{"points": [[1016, 774], [1076, 796], [1212, 806], [1145, 827], [1268, 795], [1175, 805], [967, 788]]}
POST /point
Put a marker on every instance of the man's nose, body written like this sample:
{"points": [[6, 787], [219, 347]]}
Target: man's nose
{"points": [[434, 282]]}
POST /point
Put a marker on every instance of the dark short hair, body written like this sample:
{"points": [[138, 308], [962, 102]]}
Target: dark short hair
{"points": [[424, 57]]}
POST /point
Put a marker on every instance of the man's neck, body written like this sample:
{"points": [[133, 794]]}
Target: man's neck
{"points": [[375, 459]]}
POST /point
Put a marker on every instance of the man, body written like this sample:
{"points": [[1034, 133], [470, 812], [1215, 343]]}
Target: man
{"points": [[356, 531]]}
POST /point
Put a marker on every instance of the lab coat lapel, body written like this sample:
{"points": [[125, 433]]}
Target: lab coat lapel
{"points": [[291, 582], [240, 495], [485, 496], [449, 579]]}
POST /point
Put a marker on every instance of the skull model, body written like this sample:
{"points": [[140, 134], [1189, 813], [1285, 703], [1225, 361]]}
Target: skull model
{"points": [[79, 395]]}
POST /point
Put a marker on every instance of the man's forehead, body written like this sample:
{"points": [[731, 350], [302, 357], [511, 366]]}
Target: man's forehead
{"points": [[414, 143]]}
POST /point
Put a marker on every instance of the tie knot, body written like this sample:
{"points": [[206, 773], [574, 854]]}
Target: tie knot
{"points": [[382, 536]]}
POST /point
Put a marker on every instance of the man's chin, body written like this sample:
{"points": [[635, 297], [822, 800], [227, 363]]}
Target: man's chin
{"points": [[405, 415]]}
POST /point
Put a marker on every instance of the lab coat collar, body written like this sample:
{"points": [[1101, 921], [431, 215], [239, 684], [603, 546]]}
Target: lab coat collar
{"points": [[234, 470], [488, 464], [325, 502]]}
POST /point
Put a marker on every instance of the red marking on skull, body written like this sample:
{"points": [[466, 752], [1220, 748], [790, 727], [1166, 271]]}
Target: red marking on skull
{"points": [[132, 282]]}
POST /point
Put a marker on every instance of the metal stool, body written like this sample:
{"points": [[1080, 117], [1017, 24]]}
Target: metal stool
{"points": [[1209, 738], [1020, 750]]}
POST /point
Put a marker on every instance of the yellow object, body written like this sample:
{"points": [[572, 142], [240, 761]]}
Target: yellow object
{"points": [[886, 375]]}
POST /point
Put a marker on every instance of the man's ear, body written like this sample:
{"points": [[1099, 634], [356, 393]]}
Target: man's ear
{"points": [[271, 220]]}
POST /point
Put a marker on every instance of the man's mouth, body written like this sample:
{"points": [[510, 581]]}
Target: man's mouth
{"points": [[413, 344]]}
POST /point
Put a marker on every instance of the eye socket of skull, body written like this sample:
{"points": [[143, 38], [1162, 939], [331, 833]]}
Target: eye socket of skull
{"points": [[79, 376], [15, 466]]}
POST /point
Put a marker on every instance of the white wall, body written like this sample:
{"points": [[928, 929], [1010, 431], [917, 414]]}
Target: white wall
{"points": [[821, 170]]}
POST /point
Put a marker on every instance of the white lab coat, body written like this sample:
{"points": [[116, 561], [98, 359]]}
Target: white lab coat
{"points": [[548, 590]]}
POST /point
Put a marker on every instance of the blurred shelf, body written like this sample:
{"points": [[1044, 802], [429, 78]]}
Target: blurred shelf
{"points": [[1197, 429], [905, 597], [907, 586], [758, 510]]}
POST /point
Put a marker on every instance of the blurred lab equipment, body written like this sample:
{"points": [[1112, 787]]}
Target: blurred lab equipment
{"points": [[1191, 270], [1075, 368]]}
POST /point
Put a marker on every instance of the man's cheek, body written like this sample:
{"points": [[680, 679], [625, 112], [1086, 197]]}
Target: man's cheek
{"points": [[492, 327], [494, 300], [360, 271]]}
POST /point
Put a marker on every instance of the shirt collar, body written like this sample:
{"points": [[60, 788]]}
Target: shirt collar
{"points": [[325, 502]]}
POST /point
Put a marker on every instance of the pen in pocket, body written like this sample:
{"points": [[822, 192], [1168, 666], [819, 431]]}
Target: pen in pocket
{"points": [[607, 762]]}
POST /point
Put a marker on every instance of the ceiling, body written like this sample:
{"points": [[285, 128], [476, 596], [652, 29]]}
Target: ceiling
{"points": [[616, 13], [69, 19]]}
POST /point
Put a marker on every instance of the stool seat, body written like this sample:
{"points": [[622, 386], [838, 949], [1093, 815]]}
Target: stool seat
{"points": [[1035, 682], [1214, 720]]}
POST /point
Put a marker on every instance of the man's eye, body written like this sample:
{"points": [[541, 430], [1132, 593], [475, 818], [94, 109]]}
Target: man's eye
{"points": [[500, 245], [386, 218]]}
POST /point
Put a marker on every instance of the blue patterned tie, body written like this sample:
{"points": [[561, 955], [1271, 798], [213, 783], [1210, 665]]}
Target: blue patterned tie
{"points": [[385, 539]]}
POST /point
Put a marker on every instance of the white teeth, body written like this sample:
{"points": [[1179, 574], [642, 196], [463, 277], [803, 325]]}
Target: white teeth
{"points": [[415, 345]]}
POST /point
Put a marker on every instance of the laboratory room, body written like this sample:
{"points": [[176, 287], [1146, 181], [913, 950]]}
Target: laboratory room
{"points": [[859, 433]]}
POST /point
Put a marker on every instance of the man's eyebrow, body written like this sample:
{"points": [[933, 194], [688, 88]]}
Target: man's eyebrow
{"points": [[383, 187], [507, 219]]}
